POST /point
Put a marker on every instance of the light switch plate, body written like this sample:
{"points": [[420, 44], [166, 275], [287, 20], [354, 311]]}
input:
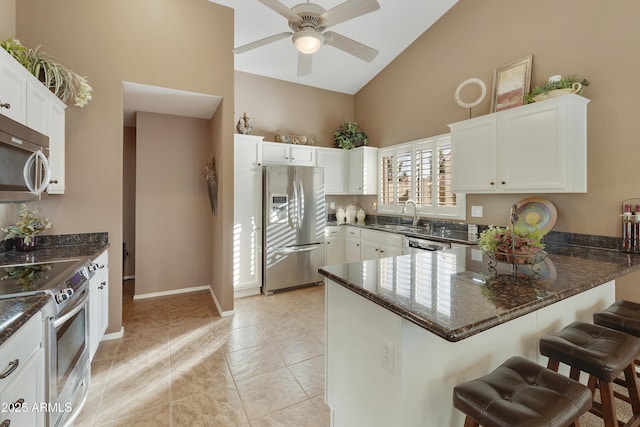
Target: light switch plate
{"points": [[476, 211]]}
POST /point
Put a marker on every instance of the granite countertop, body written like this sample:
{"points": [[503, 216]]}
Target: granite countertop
{"points": [[454, 294], [15, 312]]}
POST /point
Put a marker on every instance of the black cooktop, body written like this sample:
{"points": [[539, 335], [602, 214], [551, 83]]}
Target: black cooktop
{"points": [[27, 279]]}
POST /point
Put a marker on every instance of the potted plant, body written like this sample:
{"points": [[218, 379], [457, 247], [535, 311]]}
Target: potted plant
{"points": [[349, 136], [25, 231], [520, 247], [553, 88], [60, 80]]}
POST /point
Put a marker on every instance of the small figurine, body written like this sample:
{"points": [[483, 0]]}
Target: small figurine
{"points": [[244, 125]]}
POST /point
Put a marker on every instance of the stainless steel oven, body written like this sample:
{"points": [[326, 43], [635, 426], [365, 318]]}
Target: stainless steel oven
{"points": [[68, 370]]}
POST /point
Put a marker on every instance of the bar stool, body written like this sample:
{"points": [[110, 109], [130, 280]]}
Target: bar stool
{"points": [[622, 316], [521, 392], [603, 353]]}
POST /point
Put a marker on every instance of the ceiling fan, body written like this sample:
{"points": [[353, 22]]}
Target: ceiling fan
{"points": [[308, 22]]}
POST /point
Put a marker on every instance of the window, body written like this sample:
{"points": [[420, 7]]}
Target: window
{"points": [[420, 171]]}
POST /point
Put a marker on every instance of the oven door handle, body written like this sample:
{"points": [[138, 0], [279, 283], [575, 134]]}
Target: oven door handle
{"points": [[69, 315]]}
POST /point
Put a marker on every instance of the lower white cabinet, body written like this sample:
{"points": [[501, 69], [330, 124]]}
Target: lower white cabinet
{"points": [[379, 244], [22, 376], [334, 245], [353, 250], [98, 302]]}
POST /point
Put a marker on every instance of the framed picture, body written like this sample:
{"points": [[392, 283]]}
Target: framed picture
{"points": [[510, 83]]}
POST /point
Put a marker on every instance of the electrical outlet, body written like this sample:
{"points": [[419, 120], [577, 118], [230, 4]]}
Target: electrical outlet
{"points": [[476, 211], [388, 356], [332, 205]]}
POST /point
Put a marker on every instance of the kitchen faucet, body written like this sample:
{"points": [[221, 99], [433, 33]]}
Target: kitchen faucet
{"points": [[416, 217]]}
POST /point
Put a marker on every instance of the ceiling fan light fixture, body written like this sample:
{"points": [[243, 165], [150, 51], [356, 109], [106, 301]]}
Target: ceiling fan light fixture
{"points": [[308, 41]]}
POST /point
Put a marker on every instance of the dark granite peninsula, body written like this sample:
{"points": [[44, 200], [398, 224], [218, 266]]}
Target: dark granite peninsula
{"points": [[403, 331]]}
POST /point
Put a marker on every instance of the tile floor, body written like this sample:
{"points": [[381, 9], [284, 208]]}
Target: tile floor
{"points": [[181, 364]]}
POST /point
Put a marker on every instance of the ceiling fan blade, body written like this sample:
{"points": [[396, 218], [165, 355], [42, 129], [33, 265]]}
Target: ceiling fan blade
{"points": [[283, 10], [348, 10], [262, 42], [304, 64], [350, 46]]}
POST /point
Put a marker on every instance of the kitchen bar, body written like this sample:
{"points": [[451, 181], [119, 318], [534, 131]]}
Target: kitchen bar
{"points": [[403, 331]]}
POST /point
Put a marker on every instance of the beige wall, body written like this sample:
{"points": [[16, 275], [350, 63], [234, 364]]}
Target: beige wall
{"points": [[173, 214], [413, 96], [129, 199], [294, 109], [179, 44], [7, 19]]}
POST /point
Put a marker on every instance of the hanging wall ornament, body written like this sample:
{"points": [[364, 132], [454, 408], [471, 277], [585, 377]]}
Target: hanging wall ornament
{"points": [[469, 105]]}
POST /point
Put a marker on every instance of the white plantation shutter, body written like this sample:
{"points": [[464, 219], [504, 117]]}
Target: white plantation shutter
{"points": [[421, 171]]}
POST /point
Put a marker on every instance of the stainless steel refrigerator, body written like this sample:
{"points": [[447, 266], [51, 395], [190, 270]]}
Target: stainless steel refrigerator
{"points": [[293, 220]]}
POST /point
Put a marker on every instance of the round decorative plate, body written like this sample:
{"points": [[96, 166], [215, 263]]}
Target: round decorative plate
{"points": [[536, 212]]}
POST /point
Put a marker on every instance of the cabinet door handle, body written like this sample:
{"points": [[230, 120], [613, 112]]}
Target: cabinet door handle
{"points": [[492, 183], [13, 365], [504, 182], [53, 181], [5, 105], [102, 285], [357, 244]]}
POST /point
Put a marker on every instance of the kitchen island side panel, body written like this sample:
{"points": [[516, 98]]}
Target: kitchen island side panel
{"points": [[418, 389]]}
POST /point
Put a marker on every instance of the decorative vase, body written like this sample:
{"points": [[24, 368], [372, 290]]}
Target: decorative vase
{"points": [[360, 216], [340, 215], [23, 246]]}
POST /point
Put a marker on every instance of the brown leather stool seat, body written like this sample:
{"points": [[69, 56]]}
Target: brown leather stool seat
{"points": [[521, 392], [622, 316], [601, 352]]}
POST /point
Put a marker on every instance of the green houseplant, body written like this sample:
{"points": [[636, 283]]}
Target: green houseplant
{"points": [[349, 136], [570, 84], [27, 228], [63, 82]]}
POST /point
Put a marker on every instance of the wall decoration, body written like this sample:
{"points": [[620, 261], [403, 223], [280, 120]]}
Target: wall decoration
{"points": [[469, 105], [244, 125], [211, 179], [510, 84], [295, 139]]}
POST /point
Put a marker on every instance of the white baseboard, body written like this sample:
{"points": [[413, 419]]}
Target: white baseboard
{"points": [[114, 335], [215, 301], [128, 277], [172, 292], [246, 291]]}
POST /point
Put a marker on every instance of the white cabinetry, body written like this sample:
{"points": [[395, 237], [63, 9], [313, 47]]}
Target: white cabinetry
{"points": [[98, 301], [363, 170], [334, 161], [22, 376], [540, 147], [247, 216], [33, 105], [335, 245], [288, 154], [379, 244], [352, 244]]}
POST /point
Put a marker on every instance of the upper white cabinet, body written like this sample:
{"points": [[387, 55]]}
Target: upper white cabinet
{"points": [[289, 154], [247, 216], [32, 104], [540, 147], [334, 161], [363, 170]]}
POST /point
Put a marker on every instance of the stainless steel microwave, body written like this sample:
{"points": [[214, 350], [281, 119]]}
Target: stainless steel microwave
{"points": [[24, 162]]}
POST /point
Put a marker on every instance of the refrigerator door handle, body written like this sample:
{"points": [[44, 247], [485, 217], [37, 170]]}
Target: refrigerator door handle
{"points": [[294, 249], [300, 205], [293, 206]]}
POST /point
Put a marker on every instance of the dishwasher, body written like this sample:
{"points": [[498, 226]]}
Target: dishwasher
{"points": [[412, 245]]}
